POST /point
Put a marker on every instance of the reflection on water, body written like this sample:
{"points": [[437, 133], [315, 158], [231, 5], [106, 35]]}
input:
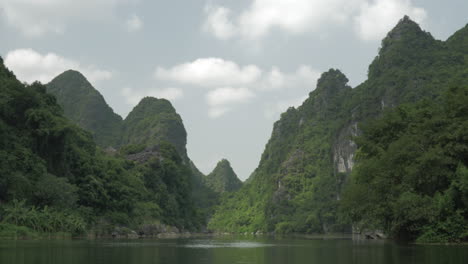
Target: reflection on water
{"points": [[219, 244], [224, 250]]}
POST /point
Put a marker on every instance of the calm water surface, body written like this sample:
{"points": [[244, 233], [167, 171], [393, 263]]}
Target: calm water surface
{"points": [[222, 250]]}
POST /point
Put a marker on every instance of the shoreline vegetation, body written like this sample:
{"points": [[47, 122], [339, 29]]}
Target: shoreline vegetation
{"points": [[23, 233], [390, 154]]}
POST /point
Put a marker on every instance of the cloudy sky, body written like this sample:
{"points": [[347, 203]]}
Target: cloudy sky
{"points": [[230, 67]]}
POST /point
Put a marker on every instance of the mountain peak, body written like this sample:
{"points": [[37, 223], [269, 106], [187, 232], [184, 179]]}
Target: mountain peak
{"points": [[331, 82], [223, 178], [404, 26], [84, 105], [72, 75], [152, 104], [152, 121], [409, 32], [223, 162], [403, 46]]}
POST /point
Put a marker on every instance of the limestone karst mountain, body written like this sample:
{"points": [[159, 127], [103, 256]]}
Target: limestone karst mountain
{"points": [[223, 178], [298, 184]]}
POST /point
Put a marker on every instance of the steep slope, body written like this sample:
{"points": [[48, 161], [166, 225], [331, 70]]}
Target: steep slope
{"points": [[411, 175], [459, 40], [53, 178], [223, 178], [85, 106], [153, 121], [298, 184]]}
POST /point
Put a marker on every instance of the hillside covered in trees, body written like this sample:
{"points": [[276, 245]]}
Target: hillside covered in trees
{"points": [[55, 179], [223, 178], [390, 155], [351, 157]]}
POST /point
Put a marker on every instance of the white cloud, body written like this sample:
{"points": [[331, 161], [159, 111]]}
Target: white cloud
{"points": [[230, 84], [133, 97], [168, 93], [30, 65], [371, 17], [38, 17], [273, 110], [221, 100], [377, 18], [218, 23], [303, 76], [210, 72], [134, 23]]}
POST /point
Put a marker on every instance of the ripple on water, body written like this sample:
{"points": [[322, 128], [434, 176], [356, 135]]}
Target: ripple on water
{"points": [[217, 244]]}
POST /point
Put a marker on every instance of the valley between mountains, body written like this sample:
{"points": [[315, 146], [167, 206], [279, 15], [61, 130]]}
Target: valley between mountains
{"points": [[387, 157]]}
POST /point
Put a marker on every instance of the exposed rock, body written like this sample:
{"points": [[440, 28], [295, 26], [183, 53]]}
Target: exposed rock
{"points": [[146, 155]]}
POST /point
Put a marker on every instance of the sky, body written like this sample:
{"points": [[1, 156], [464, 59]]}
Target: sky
{"points": [[230, 67]]}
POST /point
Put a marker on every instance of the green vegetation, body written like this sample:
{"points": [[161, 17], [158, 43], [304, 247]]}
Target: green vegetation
{"points": [[390, 155], [298, 185], [283, 193], [154, 121], [151, 122], [53, 178], [86, 107], [223, 178], [411, 179]]}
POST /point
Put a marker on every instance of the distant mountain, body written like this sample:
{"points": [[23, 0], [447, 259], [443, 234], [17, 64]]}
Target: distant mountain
{"points": [[85, 106], [153, 121], [53, 177], [298, 184], [223, 178], [149, 123]]}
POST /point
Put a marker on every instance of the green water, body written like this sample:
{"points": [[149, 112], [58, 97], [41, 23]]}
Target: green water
{"points": [[220, 251]]}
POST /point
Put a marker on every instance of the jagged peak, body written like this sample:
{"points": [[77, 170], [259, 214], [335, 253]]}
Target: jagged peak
{"points": [[223, 178], [331, 82], [405, 29], [404, 26], [155, 105], [332, 74], [223, 163]]}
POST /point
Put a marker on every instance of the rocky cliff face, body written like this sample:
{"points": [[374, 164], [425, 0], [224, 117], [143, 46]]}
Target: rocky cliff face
{"points": [[306, 163]]}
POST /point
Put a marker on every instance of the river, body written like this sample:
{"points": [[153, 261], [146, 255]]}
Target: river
{"points": [[226, 251]]}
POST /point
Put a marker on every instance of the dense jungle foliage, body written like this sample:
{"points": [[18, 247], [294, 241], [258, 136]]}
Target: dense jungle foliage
{"points": [[86, 107], [298, 185], [389, 155], [411, 177], [53, 178], [151, 122]]}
